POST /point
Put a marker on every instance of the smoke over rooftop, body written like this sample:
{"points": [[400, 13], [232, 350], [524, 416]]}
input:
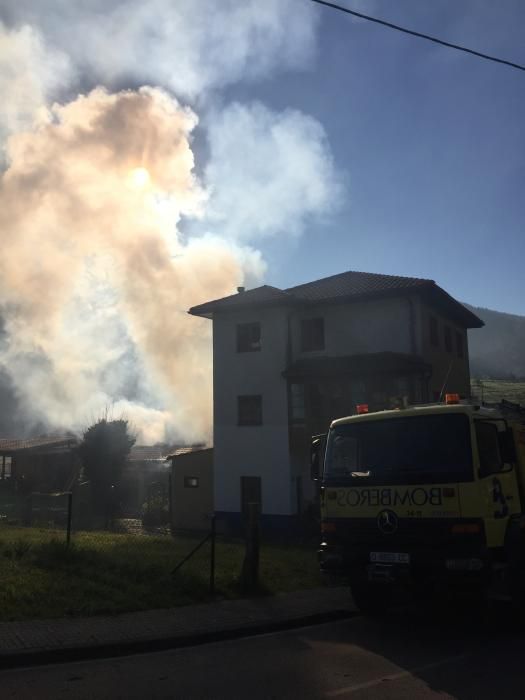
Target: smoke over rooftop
{"points": [[108, 236]]}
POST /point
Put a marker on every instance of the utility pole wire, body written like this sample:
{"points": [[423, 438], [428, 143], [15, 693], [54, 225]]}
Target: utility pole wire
{"points": [[334, 6]]}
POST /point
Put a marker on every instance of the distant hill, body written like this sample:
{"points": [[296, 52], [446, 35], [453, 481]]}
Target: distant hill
{"points": [[498, 349]]}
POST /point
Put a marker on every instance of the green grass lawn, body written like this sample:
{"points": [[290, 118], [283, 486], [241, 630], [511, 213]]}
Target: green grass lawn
{"points": [[104, 573], [494, 390]]}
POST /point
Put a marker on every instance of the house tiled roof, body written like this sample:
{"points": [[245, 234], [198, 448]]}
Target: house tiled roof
{"points": [[355, 284], [260, 295], [42, 441], [346, 286]]}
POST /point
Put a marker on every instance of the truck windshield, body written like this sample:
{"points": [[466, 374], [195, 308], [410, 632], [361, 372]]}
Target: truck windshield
{"points": [[408, 450]]}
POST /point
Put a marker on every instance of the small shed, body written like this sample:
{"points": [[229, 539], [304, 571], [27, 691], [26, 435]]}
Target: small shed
{"points": [[191, 488], [44, 463]]}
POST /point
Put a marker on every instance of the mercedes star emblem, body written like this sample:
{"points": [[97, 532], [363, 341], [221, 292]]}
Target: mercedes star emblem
{"points": [[387, 522]]}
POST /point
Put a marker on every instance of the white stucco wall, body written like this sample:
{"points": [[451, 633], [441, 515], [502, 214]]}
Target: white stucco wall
{"points": [[251, 450], [351, 329]]}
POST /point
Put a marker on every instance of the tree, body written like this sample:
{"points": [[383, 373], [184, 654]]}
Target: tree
{"points": [[103, 451]]}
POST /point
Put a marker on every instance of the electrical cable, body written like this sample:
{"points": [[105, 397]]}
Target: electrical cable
{"points": [[420, 35]]}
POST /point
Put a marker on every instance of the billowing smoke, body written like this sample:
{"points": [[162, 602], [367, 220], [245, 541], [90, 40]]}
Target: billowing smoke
{"points": [[96, 273]]}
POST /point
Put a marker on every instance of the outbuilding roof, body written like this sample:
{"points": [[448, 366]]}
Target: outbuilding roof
{"points": [[8, 445]]}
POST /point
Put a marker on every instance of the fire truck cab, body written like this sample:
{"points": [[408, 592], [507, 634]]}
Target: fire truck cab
{"points": [[424, 497]]}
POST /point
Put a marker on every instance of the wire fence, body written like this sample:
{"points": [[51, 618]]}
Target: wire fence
{"points": [[141, 548], [493, 391], [52, 565]]}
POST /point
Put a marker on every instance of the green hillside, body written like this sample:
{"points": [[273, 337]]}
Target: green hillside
{"points": [[495, 390], [498, 349]]}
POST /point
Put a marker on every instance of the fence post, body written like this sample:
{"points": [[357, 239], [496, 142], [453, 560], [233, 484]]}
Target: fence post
{"points": [[29, 509], [250, 567], [170, 500], [69, 516], [212, 557]]}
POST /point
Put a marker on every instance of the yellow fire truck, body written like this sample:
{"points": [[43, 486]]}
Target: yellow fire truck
{"points": [[424, 497]]}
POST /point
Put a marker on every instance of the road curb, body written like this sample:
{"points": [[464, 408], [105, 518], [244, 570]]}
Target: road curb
{"points": [[42, 657]]}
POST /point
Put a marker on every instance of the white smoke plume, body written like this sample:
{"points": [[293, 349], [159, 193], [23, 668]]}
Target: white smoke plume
{"points": [[95, 274], [105, 182], [29, 74], [188, 46], [289, 177]]}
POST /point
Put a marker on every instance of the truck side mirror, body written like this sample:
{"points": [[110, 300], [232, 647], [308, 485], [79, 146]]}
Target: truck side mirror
{"points": [[317, 456], [507, 447], [489, 450]]}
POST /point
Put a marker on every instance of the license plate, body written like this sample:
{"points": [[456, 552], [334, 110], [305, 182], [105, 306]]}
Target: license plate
{"points": [[389, 558]]}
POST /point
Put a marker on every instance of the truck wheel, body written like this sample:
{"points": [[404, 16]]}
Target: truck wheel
{"points": [[517, 592], [371, 599]]}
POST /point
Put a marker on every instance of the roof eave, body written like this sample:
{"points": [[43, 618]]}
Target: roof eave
{"points": [[468, 319]]}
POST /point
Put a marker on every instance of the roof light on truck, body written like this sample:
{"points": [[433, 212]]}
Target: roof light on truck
{"points": [[451, 399], [361, 408]]}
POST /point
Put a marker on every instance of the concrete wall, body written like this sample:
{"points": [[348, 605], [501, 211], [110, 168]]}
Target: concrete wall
{"points": [[442, 361], [381, 325], [191, 507], [251, 450]]}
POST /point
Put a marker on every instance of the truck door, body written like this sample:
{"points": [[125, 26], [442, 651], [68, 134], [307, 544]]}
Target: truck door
{"points": [[497, 480]]}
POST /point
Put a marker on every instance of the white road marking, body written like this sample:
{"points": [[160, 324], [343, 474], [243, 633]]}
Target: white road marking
{"points": [[395, 676]]}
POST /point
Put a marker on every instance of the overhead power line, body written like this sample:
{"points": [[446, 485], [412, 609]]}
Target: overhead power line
{"points": [[334, 6]]}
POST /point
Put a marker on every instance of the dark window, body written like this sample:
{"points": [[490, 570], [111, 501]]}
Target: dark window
{"points": [[5, 467], [248, 337], [433, 328], [249, 410], [415, 450], [312, 334], [459, 344], [297, 403], [315, 402], [448, 339], [191, 482]]}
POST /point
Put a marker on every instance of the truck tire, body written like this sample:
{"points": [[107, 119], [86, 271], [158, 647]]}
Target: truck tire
{"points": [[515, 551], [517, 593], [371, 599]]}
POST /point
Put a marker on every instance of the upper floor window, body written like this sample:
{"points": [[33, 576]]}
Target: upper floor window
{"points": [[433, 330], [249, 410], [448, 339], [459, 344], [5, 467], [297, 403], [312, 334], [248, 337]]}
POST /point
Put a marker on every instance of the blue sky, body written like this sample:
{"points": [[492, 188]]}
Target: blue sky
{"points": [[320, 143], [431, 143]]}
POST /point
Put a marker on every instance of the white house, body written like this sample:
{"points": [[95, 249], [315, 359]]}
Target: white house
{"points": [[286, 362]]}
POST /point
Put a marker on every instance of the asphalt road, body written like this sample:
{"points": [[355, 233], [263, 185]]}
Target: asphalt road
{"points": [[410, 654]]}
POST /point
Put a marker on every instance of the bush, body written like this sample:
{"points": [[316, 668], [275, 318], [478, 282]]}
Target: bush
{"points": [[155, 512], [16, 550]]}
